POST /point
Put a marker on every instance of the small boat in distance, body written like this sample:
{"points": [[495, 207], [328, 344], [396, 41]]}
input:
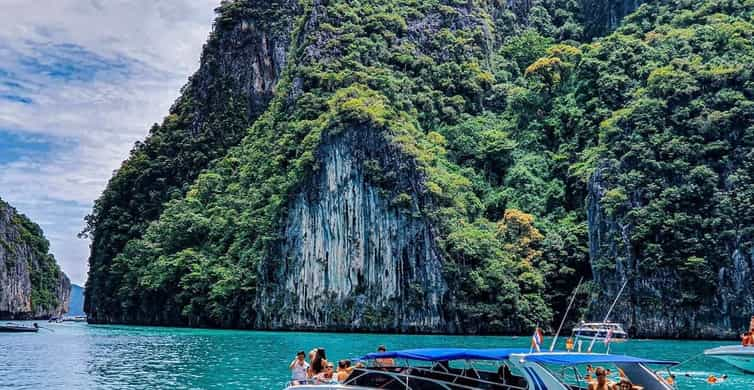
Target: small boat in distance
{"points": [[73, 319], [12, 328], [600, 331], [68, 319]]}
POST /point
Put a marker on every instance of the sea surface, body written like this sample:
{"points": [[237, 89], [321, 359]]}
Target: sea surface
{"points": [[81, 356]]}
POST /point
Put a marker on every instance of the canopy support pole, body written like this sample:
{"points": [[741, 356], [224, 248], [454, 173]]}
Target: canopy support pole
{"points": [[608, 314]]}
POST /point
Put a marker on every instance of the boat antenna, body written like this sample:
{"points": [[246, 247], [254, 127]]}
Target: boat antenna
{"points": [[609, 312], [565, 315]]}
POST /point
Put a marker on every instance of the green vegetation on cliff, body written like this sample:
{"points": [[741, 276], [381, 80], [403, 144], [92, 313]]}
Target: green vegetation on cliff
{"points": [[44, 272], [216, 106], [508, 113]]}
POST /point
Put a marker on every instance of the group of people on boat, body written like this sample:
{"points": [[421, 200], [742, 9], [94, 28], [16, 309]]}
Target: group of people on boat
{"points": [[600, 379], [319, 370]]}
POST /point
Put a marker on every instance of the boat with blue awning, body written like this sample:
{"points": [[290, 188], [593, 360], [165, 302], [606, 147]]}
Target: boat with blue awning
{"points": [[495, 368]]}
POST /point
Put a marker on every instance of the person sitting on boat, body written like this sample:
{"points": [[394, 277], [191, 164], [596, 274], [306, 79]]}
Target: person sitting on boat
{"points": [[299, 369], [601, 383], [624, 384], [589, 371], [384, 362], [343, 371], [711, 379], [312, 356], [326, 376], [319, 363], [670, 379], [569, 344]]}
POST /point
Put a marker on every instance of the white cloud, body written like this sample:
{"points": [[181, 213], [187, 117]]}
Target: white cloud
{"points": [[89, 78]]}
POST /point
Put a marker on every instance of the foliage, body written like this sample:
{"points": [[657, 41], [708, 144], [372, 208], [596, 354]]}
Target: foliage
{"points": [[517, 121], [44, 272]]}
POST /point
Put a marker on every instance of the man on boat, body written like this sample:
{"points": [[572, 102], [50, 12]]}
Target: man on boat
{"points": [[601, 383], [384, 362], [343, 372], [299, 368]]}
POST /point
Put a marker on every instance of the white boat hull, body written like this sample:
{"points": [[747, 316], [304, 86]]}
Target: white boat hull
{"points": [[736, 355]]}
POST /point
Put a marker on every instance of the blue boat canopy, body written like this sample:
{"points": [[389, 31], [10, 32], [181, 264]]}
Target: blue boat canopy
{"points": [[446, 354], [573, 359]]}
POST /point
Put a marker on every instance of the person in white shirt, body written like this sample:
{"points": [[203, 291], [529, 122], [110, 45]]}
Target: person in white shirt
{"points": [[299, 368]]}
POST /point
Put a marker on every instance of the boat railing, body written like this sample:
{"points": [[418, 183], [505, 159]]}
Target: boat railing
{"points": [[450, 382]]}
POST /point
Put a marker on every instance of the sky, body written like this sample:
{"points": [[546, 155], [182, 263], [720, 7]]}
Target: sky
{"points": [[80, 82]]}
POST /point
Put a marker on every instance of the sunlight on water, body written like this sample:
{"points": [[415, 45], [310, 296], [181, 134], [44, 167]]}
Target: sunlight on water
{"points": [[123, 357]]}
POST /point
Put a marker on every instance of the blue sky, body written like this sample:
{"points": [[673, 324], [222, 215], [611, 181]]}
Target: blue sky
{"points": [[80, 82]]}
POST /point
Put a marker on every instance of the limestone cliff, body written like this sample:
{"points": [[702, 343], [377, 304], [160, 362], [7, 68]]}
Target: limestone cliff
{"points": [[654, 303], [423, 166], [31, 284], [356, 256], [239, 69]]}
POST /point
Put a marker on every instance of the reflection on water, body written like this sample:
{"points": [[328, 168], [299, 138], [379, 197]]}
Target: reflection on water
{"points": [[74, 355]]}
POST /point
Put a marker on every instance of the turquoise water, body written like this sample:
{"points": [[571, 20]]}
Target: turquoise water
{"points": [[80, 356]]}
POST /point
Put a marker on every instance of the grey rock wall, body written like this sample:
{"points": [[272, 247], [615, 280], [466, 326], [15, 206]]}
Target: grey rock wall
{"points": [[650, 307], [17, 263], [353, 258], [603, 16]]}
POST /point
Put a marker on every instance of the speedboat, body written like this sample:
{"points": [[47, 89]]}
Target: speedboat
{"points": [[73, 319], [512, 369], [600, 331], [11, 328], [738, 356]]}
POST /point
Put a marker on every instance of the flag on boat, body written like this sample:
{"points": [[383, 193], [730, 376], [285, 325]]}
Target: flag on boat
{"points": [[609, 336], [537, 338]]}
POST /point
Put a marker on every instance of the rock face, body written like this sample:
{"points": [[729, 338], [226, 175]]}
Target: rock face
{"points": [[23, 269], [240, 66], [243, 60], [601, 17], [351, 246], [648, 306], [356, 256]]}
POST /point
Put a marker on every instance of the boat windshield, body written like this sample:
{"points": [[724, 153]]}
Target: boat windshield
{"points": [[579, 369]]}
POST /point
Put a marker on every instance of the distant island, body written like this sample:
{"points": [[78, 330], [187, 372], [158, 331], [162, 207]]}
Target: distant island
{"points": [[32, 286]]}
